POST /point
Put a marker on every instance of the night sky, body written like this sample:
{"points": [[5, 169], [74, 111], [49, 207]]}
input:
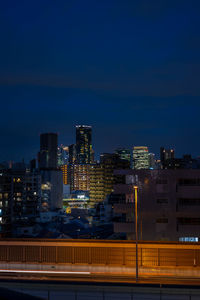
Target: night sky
{"points": [[131, 69]]}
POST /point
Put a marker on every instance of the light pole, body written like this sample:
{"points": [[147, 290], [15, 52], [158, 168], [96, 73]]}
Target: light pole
{"points": [[136, 232]]}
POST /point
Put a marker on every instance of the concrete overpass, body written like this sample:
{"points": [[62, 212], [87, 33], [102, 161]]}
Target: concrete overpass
{"points": [[100, 261]]}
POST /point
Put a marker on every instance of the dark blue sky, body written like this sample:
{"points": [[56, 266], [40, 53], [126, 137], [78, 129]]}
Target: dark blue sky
{"points": [[128, 68]]}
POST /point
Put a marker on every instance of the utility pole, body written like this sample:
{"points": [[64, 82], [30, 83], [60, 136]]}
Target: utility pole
{"points": [[136, 232]]}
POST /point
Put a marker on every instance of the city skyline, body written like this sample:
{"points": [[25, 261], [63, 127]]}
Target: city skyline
{"points": [[97, 154], [129, 69]]}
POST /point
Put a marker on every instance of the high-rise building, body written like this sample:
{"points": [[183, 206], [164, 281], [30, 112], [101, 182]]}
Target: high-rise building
{"points": [[64, 173], [63, 155], [51, 189], [101, 176], [52, 182], [140, 157], [97, 181], [83, 144], [79, 177], [152, 161], [48, 151], [166, 155], [72, 154], [124, 154]]}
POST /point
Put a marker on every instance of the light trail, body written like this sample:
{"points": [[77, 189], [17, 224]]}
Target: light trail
{"points": [[45, 272]]}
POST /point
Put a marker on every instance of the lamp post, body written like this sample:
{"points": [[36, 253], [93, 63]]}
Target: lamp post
{"points": [[136, 232]]}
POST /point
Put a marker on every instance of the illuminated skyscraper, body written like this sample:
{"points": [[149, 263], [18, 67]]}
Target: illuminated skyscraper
{"points": [[83, 144], [140, 158]]}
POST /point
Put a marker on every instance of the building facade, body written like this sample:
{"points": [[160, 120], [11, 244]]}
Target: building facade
{"points": [[124, 154], [84, 151], [140, 157], [72, 154], [168, 204], [20, 199], [79, 177], [51, 190], [48, 157], [166, 155], [102, 177], [51, 175]]}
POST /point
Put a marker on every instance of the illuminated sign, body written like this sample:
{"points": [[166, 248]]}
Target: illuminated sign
{"points": [[188, 239]]}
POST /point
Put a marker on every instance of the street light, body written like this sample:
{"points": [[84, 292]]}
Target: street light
{"points": [[136, 232]]}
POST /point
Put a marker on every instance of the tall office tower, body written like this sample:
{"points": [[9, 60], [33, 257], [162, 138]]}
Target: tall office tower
{"points": [[166, 155], [140, 158], [83, 144], [152, 161], [63, 155], [72, 154], [52, 182], [124, 154], [48, 151]]}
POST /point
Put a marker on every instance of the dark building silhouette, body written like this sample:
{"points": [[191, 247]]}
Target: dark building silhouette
{"points": [[83, 144], [72, 154], [20, 199], [51, 188], [166, 155], [186, 162], [124, 154], [48, 151]]}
